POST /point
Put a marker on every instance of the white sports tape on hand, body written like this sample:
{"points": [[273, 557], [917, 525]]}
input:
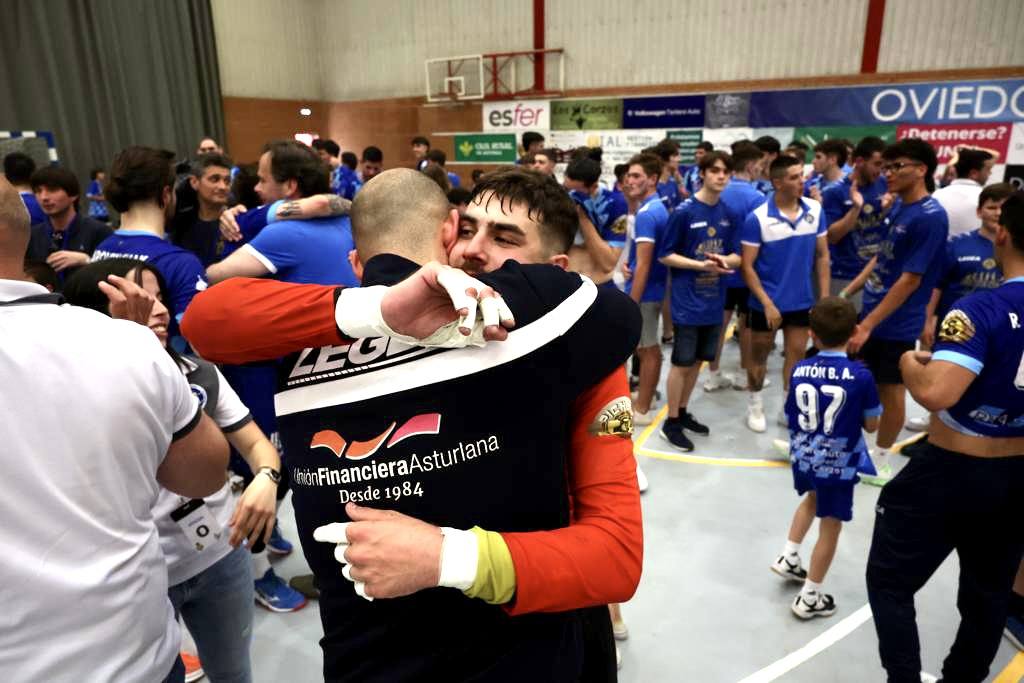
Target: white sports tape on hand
{"points": [[459, 556]]}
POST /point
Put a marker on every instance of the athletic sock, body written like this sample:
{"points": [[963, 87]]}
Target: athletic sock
{"points": [[810, 589], [755, 399], [881, 455], [791, 549]]}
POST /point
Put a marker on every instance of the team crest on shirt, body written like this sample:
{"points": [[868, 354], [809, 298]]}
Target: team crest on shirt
{"points": [[615, 419], [989, 263], [620, 225], [200, 394], [712, 232], [956, 327], [809, 217], [867, 209]]}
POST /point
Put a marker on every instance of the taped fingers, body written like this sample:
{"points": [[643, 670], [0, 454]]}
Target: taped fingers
{"points": [[335, 532]]}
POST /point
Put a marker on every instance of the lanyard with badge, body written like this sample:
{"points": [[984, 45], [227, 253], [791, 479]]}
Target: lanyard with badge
{"points": [[197, 523]]}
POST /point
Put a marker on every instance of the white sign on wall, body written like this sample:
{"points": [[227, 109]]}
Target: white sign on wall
{"points": [[517, 115]]}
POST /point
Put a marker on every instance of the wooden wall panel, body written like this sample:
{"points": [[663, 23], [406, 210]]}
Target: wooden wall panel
{"points": [[249, 123]]}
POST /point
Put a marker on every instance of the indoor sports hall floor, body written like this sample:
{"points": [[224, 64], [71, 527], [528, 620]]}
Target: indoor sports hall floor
{"points": [[708, 609]]}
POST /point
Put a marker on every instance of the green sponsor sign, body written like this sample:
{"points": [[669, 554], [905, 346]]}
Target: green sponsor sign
{"points": [[586, 115], [688, 139], [812, 135], [492, 148]]}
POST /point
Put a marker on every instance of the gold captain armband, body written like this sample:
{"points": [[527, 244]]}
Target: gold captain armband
{"points": [[956, 327], [615, 419]]}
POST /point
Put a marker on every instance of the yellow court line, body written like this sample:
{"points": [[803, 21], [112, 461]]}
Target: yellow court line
{"points": [[1013, 672]]}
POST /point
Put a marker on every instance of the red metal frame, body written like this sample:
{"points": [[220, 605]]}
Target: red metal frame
{"points": [[496, 89], [872, 36]]}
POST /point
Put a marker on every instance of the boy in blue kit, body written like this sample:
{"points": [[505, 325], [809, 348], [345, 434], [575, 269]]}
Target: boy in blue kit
{"points": [[831, 399], [855, 208], [141, 188], [691, 177], [699, 248], [899, 282], [964, 492], [649, 276], [94, 193], [740, 198], [784, 244], [771, 148], [828, 162], [669, 182]]}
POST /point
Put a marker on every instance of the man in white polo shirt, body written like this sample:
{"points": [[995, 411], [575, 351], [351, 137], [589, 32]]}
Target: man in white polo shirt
{"points": [[91, 430], [960, 197]]}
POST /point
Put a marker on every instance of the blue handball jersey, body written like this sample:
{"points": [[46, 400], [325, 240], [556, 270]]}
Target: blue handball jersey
{"points": [[914, 243], [607, 211], [310, 251], [181, 269], [696, 229], [829, 398], [850, 254], [969, 265], [250, 224], [786, 255], [740, 198], [669, 193], [650, 225], [985, 334]]}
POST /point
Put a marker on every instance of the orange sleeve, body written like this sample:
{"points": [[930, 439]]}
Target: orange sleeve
{"points": [[243, 320], [597, 559]]}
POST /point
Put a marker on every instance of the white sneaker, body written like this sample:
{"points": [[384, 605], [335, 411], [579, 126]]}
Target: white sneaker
{"points": [[756, 421], [618, 658], [782, 420], [823, 605], [620, 630], [716, 381], [793, 571], [643, 419], [641, 479], [917, 424]]}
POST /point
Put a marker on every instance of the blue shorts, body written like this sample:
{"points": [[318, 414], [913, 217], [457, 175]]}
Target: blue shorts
{"points": [[834, 498]]}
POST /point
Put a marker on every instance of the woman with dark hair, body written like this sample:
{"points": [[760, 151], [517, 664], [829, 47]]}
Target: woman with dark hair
{"points": [[208, 566]]}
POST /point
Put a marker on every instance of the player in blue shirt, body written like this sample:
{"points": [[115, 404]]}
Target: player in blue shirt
{"points": [[18, 169], [293, 251], [598, 244], [831, 399], [350, 183], [94, 193], [829, 158], [699, 248], [771, 148], [141, 189], [784, 244], [646, 285], [969, 263], [899, 282], [669, 181], [855, 208], [964, 492], [740, 198]]}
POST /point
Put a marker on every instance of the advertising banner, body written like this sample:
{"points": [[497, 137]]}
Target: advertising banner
{"points": [[586, 114], [1015, 153], [947, 102], [991, 137], [517, 115], [812, 135], [726, 110], [688, 140], [486, 148], [680, 111], [721, 138]]}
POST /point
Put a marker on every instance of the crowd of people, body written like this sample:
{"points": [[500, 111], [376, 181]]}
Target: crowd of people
{"points": [[322, 326]]}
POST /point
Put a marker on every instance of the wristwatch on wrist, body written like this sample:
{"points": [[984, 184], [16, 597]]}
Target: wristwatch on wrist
{"points": [[274, 475]]}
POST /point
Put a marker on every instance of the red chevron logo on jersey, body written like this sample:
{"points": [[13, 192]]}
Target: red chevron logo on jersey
{"points": [[428, 423]]}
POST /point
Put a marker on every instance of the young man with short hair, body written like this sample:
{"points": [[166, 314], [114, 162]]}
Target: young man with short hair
{"points": [[208, 145], [18, 168], [856, 207], [771, 148], [699, 248], [420, 147], [65, 239], [602, 235], [784, 244], [350, 182], [670, 182], [543, 161], [647, 285], [199, 231], [963, 493], [373, 163], [832, 400], [899, 282], [828, 162], [691, 178], [740, 198], [960, 197], [797, 150], [532, 142], [328, 150]]}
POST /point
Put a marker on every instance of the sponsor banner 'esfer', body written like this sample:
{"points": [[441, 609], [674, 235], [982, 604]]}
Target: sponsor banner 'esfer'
{"points": [[517, 115]]}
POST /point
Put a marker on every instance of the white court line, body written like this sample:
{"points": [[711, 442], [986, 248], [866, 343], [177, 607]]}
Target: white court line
{"points": [[819, 644]]}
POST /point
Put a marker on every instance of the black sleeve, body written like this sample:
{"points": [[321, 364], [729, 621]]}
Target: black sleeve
{"points": [[100, 232], [604, 338], [37, 249], [531, 290]]}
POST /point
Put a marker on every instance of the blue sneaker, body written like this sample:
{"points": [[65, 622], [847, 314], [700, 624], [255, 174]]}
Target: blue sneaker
{"points": [[1014, 631], [278, 545], [274, 594]]}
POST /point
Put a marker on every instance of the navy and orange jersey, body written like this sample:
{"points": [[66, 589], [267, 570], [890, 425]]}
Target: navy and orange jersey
{"points": [[505, 438]]}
